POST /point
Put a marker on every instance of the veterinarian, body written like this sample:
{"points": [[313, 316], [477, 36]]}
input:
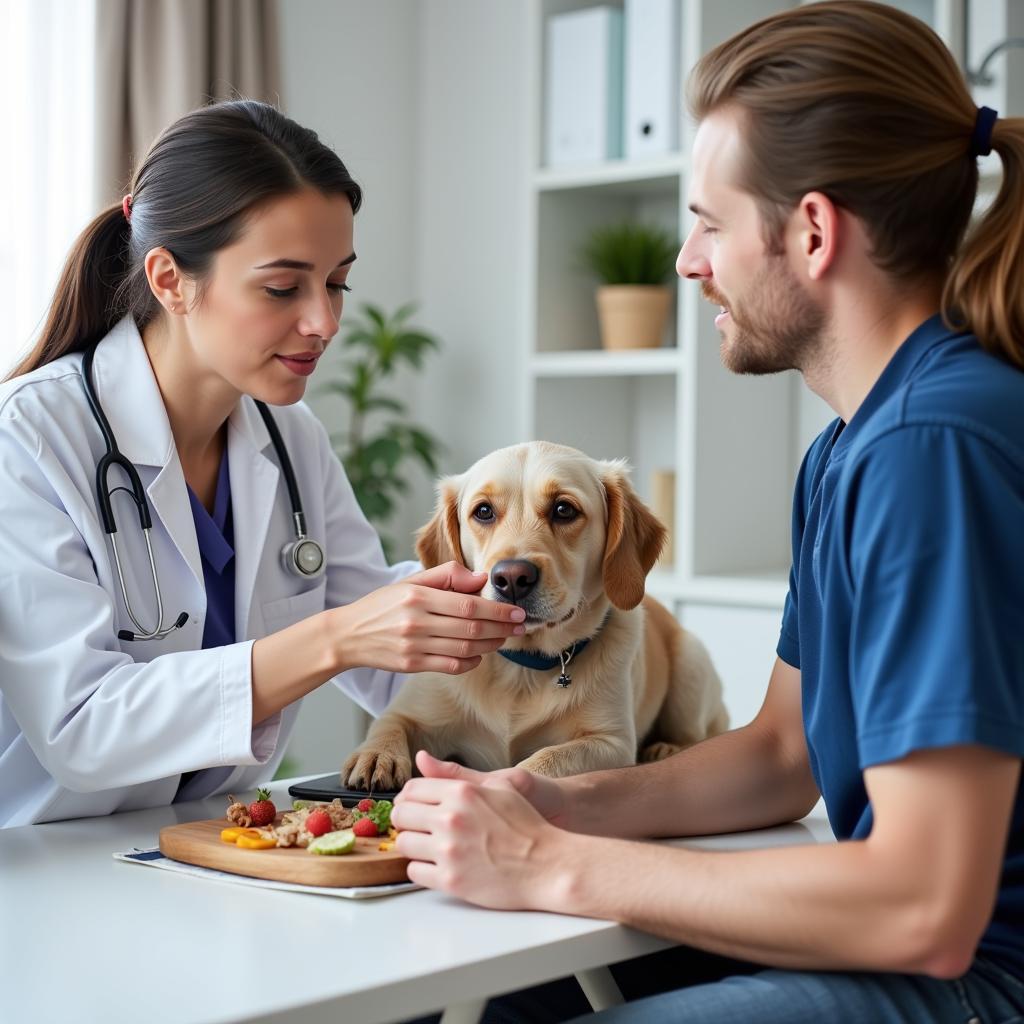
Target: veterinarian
{"points": [[180, 564], [835, 169]]}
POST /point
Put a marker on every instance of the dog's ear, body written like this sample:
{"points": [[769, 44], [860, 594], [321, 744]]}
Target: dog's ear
{"points": [[438, 541], [634, 541]]}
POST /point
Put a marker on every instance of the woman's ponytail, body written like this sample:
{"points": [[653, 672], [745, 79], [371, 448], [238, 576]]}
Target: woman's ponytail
{"points": [[984, 292], [88, 294]]}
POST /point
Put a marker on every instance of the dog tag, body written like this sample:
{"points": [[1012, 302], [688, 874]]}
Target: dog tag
{"points": [[565, 657]]}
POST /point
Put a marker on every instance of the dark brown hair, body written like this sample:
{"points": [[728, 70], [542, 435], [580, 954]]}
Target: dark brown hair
{"points": [[864, 103], [191, 194]]}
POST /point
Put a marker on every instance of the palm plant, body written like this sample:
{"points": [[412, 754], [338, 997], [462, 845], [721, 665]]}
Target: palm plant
{"points": [[374, 453]]}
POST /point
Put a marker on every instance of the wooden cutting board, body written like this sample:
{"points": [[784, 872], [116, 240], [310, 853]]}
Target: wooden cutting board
{"points": [[199, 842]]}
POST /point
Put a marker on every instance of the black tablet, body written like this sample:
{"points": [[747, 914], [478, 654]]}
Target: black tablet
{"points": [[329, 787]]}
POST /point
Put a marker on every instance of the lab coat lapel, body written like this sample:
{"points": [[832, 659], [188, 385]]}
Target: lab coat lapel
{"points": [[254, 488], [131, 399]]}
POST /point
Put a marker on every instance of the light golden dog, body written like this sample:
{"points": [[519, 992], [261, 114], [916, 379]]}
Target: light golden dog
{"points": [[565, 537]]}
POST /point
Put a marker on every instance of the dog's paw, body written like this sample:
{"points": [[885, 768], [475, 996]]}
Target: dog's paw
{"points": [[658, 752], [376, 770], [546, 762]]}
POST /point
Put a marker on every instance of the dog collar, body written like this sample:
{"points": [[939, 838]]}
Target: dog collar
{"points": [[545, 662]]}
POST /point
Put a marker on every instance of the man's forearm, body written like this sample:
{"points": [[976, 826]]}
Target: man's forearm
{"points": [[813, 908], [740, 780]]}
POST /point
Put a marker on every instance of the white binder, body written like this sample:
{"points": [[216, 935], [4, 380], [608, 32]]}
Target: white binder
{"points": [[583, 75], [653, 96]]}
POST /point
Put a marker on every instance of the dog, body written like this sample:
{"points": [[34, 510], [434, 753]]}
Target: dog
{"points": [[603, 677]]}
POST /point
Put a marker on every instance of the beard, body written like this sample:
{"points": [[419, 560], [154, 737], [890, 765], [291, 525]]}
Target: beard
{"points": [[775, 327]]}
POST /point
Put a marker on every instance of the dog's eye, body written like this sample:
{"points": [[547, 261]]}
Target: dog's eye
{"points": [[564, 512], [483, 513]]}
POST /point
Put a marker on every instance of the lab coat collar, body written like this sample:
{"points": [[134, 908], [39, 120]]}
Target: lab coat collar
{"points": [[128, 391], [131, 400]]}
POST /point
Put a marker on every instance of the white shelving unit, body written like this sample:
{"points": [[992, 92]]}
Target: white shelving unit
{"points": [[734, 443]]}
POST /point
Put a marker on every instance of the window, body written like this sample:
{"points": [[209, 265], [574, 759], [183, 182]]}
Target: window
{"points": [[47, 62]]}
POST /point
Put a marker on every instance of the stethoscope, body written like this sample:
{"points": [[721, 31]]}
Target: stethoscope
{"points": [[303, 557]]}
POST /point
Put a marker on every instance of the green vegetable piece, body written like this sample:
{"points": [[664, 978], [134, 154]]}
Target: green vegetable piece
{"points": [[298, 805], [334, 843], [379, 814]]}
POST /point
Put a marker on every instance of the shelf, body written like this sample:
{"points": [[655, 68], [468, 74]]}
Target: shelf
{"points": [[601, 363], [658, 175]]}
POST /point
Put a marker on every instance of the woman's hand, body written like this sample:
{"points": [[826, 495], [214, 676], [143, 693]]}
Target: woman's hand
{"points": [[429, 622], [486, 837]]}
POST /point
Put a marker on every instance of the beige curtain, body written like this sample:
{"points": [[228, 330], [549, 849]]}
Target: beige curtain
{"points": [[158, 59]]}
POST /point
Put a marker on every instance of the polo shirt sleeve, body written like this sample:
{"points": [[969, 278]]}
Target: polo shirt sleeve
{"points": [[788, 648], [932, 545]]}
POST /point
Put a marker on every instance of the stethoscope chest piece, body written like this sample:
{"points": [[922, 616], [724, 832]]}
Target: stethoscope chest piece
{"points": [[303, 558]]}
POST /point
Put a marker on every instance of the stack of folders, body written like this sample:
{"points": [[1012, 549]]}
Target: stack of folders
{"points": [[612, 83]]}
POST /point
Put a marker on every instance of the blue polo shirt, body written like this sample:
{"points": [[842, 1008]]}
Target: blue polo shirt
{"points": [[905, 612]]}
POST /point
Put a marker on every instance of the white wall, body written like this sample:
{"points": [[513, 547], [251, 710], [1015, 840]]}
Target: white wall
{"points": [[349, 71], [471, 194], [424, 101]]}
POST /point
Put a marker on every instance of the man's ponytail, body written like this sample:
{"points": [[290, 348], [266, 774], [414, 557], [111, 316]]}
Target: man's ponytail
{"points": [[984, 292]]}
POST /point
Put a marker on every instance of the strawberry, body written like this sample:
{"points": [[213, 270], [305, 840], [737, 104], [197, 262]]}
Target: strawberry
{"points": [[365, 827], [365, 805], [262, 810], [318, 823]]}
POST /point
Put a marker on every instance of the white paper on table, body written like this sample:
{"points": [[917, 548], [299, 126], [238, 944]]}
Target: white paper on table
{"points": [[152, 857]]}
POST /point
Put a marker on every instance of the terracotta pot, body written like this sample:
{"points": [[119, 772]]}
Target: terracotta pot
{"points": [[632, 315]]}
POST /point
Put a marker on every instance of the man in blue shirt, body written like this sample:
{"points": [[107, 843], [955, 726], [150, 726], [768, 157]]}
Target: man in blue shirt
{"points": [[834, 173]]}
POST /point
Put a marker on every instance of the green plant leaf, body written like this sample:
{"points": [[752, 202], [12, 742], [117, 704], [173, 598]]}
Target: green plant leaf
{"points": [[403, 313], [383, 402], [361, 336], [376, 460], [375, 315], [630, 253], [386, 450], [375, 506]]}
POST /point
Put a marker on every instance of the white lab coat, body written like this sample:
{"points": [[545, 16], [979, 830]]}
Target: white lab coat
{"points": [[90, 724]]}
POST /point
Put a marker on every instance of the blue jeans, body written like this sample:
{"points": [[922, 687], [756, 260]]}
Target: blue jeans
{"points": [[985, 995], [700, 988]]}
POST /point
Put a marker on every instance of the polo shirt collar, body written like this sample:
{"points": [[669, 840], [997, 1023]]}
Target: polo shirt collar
{"points": [[897, 372]]}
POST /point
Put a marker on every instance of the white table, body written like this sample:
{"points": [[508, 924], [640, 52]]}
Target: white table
{"points": [[86, 938]]}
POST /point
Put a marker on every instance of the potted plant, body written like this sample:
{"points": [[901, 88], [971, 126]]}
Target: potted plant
{"points": [[373, 451], [634, 263]]}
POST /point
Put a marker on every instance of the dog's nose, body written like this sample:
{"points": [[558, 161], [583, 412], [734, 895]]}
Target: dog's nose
{"points": [[514, 578]]}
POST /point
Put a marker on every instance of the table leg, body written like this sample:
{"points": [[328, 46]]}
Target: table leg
{"points": [[599, 987], [464, 1013]]}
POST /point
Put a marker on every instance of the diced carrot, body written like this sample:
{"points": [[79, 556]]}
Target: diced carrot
{"points": [[255, 843], [230, 835]]}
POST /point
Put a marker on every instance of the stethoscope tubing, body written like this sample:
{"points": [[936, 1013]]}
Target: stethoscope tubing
{"points": [[113, 457]]}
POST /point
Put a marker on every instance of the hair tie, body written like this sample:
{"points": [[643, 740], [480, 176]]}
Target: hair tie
{"points": [[981, 138], [126, 207]]}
